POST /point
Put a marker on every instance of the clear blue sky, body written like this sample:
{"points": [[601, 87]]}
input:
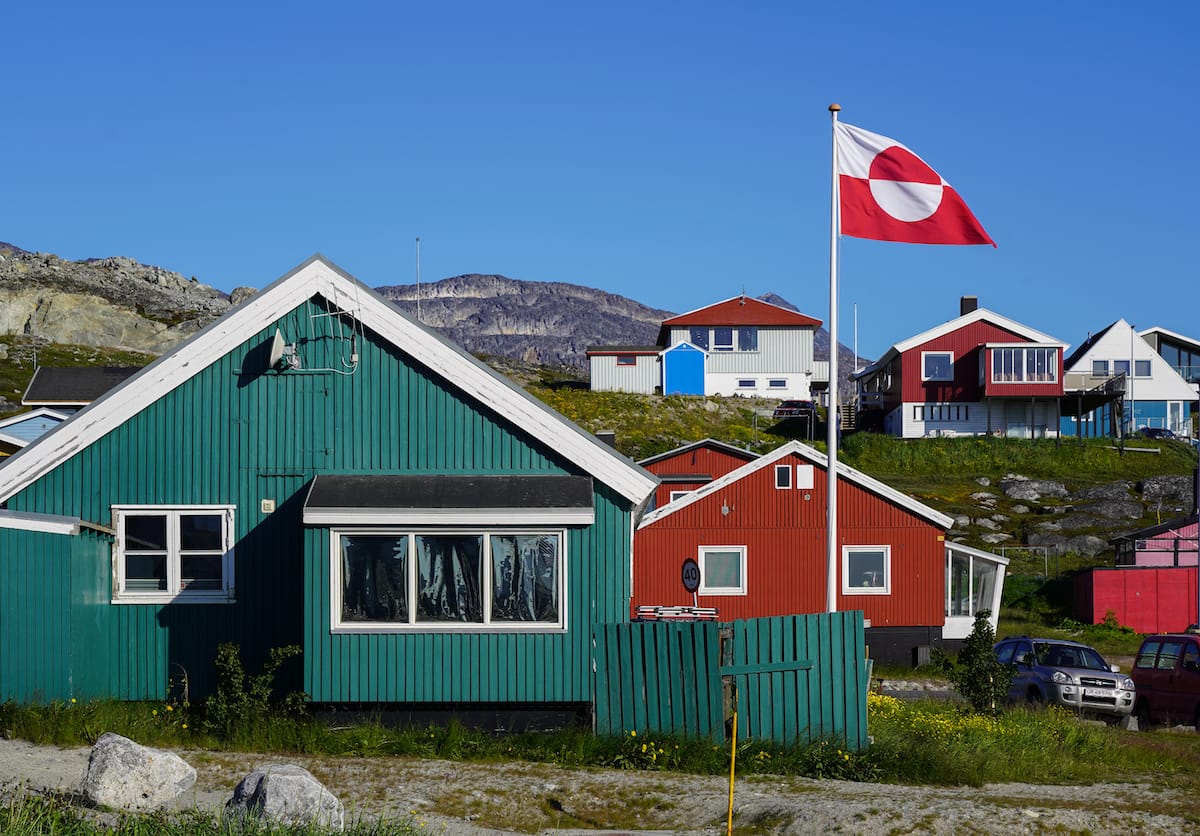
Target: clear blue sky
{"points": [[672, 152]]}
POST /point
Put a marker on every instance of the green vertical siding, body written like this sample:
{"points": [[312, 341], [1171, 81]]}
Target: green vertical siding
{"points": [[235, 434]]}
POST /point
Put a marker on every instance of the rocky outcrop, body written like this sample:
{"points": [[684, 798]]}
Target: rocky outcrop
{"points": [[128, 776], [108, 302]]}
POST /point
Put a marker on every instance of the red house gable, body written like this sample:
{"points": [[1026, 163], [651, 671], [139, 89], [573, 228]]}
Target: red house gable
{"points": [[693, 465], [762, 546], [741, 310]]}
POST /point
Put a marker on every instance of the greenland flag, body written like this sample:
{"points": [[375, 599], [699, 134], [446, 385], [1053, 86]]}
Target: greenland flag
{"points": [[888, 193]]}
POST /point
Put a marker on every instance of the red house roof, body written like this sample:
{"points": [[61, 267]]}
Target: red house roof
{"points": [[742, 310]]}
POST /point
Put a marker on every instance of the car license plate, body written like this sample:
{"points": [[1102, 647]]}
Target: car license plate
{"points": [[1097, 692]]}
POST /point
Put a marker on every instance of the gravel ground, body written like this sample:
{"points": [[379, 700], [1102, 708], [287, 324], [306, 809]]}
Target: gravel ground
{"points": [[467, 799]]}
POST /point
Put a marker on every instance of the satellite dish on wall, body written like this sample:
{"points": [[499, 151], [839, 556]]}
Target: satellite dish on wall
{"points": [[276, 350]]}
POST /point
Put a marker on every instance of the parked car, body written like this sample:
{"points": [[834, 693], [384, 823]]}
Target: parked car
{"points": [[1167, 672], [795, 409], [1066, 673], [1156, 432]]}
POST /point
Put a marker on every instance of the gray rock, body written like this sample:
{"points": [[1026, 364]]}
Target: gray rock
{"points": [[1172, 490], [983, 498], [289, 795], [128, 776], [1000, 518], [984, 522], [962, 521], [1020, 509], [1075, 521], [1114, 509], [1113, 491], [983, 481], [993, 539], [240, 294], [1019, 487]]}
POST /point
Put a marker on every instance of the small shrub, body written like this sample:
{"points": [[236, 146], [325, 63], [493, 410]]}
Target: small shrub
{"points": [[242, 700], [978, 676]]}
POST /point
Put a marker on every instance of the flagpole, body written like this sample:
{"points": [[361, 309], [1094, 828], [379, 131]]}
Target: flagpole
{"points": [[832, 417]]}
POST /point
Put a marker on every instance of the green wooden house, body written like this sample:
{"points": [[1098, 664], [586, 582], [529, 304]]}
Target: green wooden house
{"points": [[315, 468]]}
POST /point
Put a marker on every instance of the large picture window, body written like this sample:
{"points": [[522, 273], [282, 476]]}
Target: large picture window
{"points": [[937, 365], [1024, 365], [166, 554], [430, 580], [866, 570]]}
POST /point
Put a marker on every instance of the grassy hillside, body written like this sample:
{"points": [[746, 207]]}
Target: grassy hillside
{"points": [[23, 354]]}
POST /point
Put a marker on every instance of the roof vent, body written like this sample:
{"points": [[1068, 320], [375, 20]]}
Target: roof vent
{"points": [[609, 437], [967, 304]]}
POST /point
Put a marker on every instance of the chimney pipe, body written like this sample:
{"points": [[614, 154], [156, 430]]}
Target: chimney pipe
{"points": [[967, 304], [609, 437]]}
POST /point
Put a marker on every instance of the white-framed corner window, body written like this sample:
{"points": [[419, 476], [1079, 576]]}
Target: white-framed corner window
{"points": [[783, 477], [866, 570], [722, 570], [677, 494], [1141, 368], [173, 554], [444, 580], [937, 365], [804, 477], [747, 383], [1099, 368]]}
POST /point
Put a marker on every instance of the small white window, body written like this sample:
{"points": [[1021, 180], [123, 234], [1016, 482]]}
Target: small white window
{"points": [[804, 477], [783, 476], [777, 383], [746, 383], [626, 360], [165, 554], [1141, 368], [1099, 368], [722, 570], [866, 570], [676, 494], [937, 365]]}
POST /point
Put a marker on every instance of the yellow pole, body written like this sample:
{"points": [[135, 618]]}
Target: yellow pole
{"points": [[732, 766]]}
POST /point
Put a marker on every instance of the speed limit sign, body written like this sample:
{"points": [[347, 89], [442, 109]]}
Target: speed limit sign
{"points": [[691, 575]]}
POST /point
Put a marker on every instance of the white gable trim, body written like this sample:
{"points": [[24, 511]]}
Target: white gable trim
{"points": [[976, 315], [317, 276], [1192, 341], [819, 459]]}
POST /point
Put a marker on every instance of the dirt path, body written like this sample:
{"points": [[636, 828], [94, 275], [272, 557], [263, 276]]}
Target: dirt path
{"points": [[467, 799]]}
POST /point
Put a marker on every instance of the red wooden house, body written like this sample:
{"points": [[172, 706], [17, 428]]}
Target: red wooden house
{"points": [[1153, 587], [759, 536], [693, 466], [978, 374]]}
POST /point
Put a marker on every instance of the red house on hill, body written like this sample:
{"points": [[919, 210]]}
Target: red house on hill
{"points": [[684, 469], [978, 374], [758, 534]]}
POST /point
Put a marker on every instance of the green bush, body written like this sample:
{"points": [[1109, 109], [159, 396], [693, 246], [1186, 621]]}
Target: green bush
{"points": [[978, 676], [243, 701]]}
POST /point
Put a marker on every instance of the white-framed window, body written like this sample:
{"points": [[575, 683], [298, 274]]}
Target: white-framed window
{"points": [[1120, 367], [746, 383], [747, 338], [677, 494], [722, 338], [722, 570], [937, 365], [626, 359], [1141, 368], [777, 383], [783, 477], [939, 412], [698, 336], [1025, 365], [1099, 368], [866, 570], [165, 554], [439, 580]]}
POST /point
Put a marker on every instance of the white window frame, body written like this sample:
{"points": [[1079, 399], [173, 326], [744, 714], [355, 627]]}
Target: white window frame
{"points": [[1018, 361], [747, 383], [1099, 368], [924, 369], [885, 589], [1137, 364], [678, 494], [705, 589], [337, 582], [715, 333], [173, 593], [784, 471], [626, 360], [777, 383]]}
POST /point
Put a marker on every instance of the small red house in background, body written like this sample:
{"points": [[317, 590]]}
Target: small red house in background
{"points": [[758, 534], [693, 466], [1153, 587], [978, 374]]}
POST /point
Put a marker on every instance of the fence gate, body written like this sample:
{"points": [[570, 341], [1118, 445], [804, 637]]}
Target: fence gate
{"points": [[799, 678]]}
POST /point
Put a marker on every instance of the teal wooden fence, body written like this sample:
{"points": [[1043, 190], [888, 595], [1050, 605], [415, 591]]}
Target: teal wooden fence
{"points": [[798, 679]]}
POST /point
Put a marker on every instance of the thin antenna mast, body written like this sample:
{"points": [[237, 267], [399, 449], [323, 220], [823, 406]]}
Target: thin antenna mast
{"points": [[418, 278]]}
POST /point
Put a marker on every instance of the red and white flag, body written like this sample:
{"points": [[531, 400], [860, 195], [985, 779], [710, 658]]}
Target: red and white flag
{"points": [[888, 193]]}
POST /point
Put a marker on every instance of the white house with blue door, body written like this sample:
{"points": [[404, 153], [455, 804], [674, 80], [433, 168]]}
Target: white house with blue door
{"points": [[741, 346], [1156, 396]]}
